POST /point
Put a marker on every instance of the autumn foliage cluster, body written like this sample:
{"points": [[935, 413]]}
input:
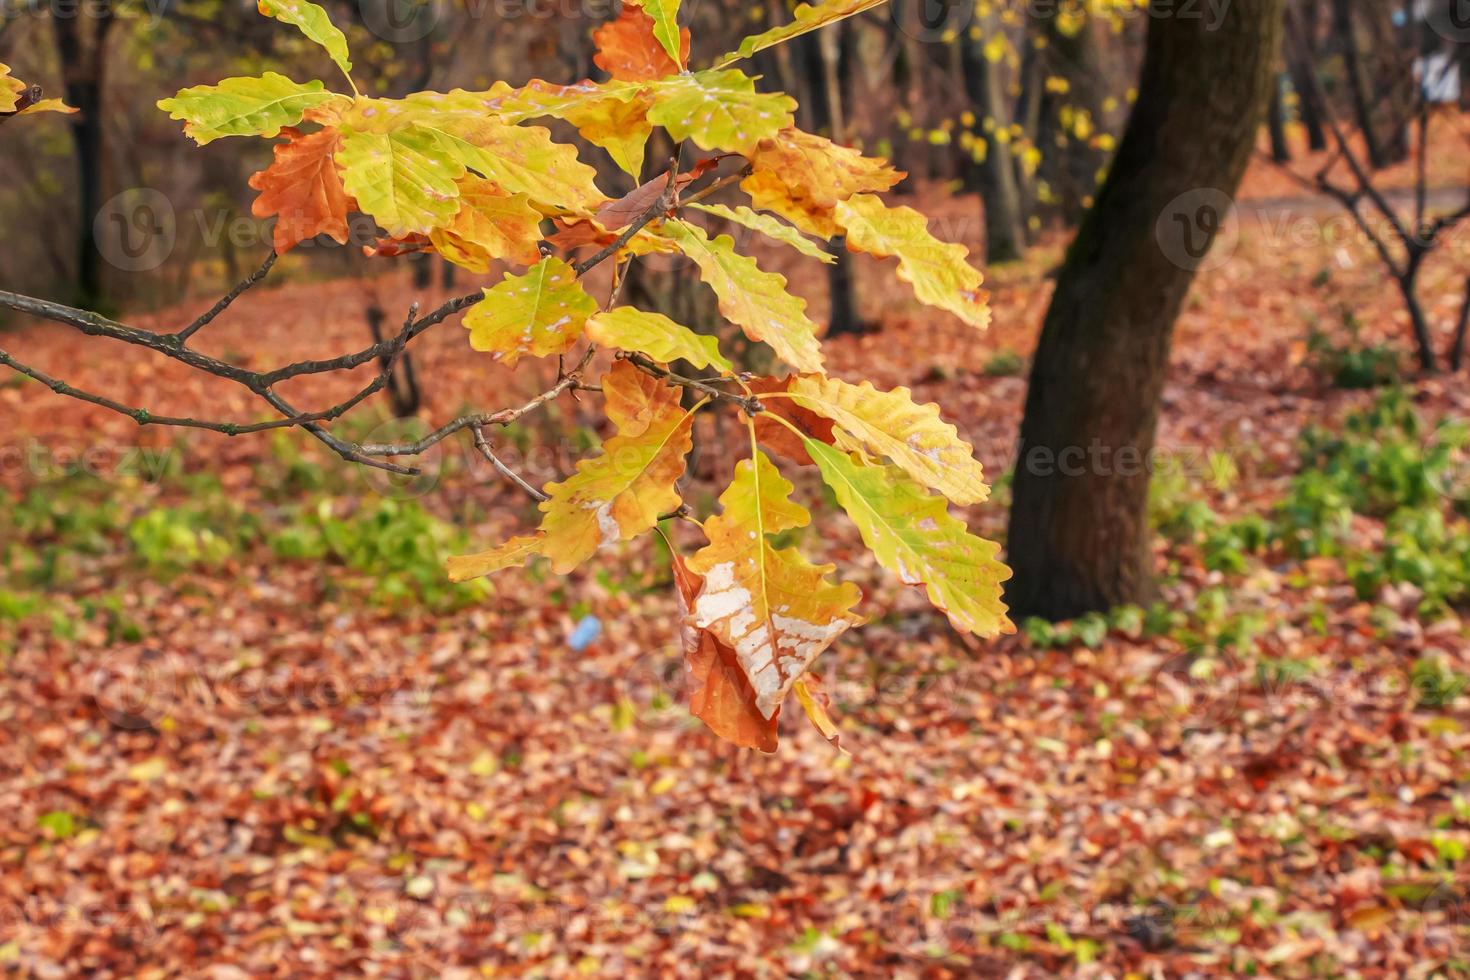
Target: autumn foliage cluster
{"points": [[463, 175]]}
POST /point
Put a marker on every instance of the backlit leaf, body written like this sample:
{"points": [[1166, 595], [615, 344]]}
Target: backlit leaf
{"points": [[720, 695], [766, 225], [48, 105], [937, 270], [250, 106], [620, 493], [611, 115], [889, 423], [628, 50], [777, 610], [490, 224], [303, 190], [402, 178], [807, 17], [755, 300], [657, 336], [719, 110], [539, 313], [312, 21], [913, 535]]}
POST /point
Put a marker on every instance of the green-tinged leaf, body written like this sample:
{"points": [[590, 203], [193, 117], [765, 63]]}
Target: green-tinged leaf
{"points": [[889, 423], [807, 17], [937, 270], [657, 336], [402, 178], [519, 159], [48, 105], [755, 300], [539, 313], [665, 15], [622, 492], [250, 106], [775, 609], [312, 21], [914, 536], [719, 110], [768, 226]]}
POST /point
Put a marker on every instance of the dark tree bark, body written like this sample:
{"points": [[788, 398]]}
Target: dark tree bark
{"points": [[81, 43], [1005, 234], [1301, 62], [1276, 118], [1078, 537]]}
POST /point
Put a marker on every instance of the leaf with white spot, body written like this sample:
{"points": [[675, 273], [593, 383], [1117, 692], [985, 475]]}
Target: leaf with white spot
{"points": [[539, 313], [937, 270], [775, 609], [622, 492], [913, 535], [665, 16], [768, 226], [756, 301], [719, 110], [657, 336], [890, 423]]}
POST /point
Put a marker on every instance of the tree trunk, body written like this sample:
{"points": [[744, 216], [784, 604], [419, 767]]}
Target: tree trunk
{"points": [[83, 60], [1359, 84], [1005, 234], [843, 314], [1301, 62], [1078, 537], [1276, 116]]}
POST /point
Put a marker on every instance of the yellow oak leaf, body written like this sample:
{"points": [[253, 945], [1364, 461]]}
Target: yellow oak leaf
{"points": [[766, 225], [622, 492], [516, 551], [490, 224], [890, 423], [936, 270], [10, 89], [252, 106], [402, 178], [657, 336], [539, 313], [775, 609], [757, 301], [612, 115], [817, 170], [303, 190], [807, 17], [913, 535], [718, 110]]}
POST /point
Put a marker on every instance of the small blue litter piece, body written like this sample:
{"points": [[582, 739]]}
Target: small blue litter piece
{"points": [[589, 629]]}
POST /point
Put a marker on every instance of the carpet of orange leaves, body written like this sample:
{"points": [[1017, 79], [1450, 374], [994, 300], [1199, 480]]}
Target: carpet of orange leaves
{"points": [[272, 780]]}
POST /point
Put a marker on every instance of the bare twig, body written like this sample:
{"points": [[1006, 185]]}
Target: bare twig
{"points": [[483, 445], [183, 335]]}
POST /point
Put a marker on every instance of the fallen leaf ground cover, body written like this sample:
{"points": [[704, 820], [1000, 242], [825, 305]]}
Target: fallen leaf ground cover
{"points": [[247, 728]]}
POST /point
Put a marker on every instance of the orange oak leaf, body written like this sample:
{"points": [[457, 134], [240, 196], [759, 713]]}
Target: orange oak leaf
{"points": [[303, 190], [628, 51], [719, 693], [630, 207], [775, 436]]}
